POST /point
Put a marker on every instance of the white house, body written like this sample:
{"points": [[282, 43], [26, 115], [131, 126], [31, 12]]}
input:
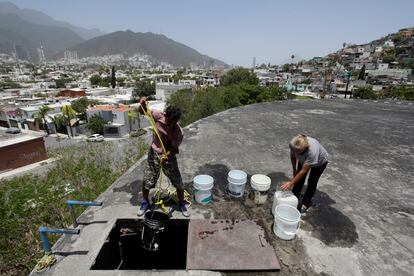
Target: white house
{"points": [[117, 117]]}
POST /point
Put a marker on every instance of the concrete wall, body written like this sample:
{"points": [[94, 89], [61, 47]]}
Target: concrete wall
{"points": [[120, 131]]}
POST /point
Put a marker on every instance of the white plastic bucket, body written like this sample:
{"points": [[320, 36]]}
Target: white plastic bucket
{"points": [[284, 197], [202, 188], [236, 182], [260, 185], [237, 176], [286, 221]]}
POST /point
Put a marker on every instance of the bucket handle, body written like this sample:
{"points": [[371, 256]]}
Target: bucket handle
{"points": [[292, 233]]}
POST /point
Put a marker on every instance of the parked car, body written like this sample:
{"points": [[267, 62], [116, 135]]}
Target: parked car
{"points": [[95, 138], [13, 130]]}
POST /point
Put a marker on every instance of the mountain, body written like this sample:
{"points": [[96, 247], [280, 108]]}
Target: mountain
{"points": [[40, 18], [16, 31], [158, 46]]}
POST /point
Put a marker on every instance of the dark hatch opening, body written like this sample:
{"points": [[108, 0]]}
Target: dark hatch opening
{"points": [[122, 249]]}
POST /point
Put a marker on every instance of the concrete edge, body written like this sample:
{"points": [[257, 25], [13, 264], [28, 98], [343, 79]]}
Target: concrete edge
{"points": [[61, 240]]}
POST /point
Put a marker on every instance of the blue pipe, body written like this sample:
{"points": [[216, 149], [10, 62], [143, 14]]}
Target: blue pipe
{"points": [[71, 203], [43, 235], [84, 203]]}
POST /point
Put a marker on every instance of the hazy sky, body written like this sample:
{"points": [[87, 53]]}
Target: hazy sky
{"points": [[235, 31]]}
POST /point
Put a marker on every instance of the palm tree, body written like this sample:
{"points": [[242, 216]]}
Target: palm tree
{"points": [[58, 121], [40, 116], [68, 114], [292, 57]]}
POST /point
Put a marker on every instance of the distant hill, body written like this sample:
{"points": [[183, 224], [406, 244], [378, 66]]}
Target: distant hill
{"points": [[16, 31], [37, 17], [160, 47]]}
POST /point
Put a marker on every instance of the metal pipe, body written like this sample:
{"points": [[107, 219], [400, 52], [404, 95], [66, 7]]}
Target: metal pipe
{"points": [[73, 215], [79, 202], [45, 240]]}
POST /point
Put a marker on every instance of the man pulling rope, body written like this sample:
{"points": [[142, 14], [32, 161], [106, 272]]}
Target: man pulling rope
{"points": [[166, 140]]}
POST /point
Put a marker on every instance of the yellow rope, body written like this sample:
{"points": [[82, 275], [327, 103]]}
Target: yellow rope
{"points": [[45, 262], [159, 202]]}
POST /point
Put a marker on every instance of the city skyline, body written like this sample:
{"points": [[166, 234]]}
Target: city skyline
{"points": [[235, 32]]}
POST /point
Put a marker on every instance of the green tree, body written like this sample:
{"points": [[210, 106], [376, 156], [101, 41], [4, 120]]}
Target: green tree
{"points": [[40, 95], [68, 115], [409, 63], [361, 75], [58, 121], [286, 67], [272, 93], [239, 75], [143, 88], [40, 116], [364, 92], [105, 82], [96, 124], [388, 58], [398, 38], [61, 83], [80, 106], [401, 92], [113, 77], [95, 80], [178, 76], [121, 81]]}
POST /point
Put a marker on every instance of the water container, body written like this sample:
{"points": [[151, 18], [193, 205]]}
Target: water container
{"points": [[284, 197], [153, 226], [260, 185], [202, 185], [236, 182], [286, 223]]}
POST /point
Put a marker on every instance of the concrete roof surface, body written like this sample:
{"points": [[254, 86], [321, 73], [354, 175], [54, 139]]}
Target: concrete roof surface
{"points": [[362, 219]]}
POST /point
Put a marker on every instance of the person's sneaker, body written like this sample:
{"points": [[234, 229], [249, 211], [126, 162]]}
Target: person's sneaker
{"points": [[184, 209], [144, 207], [304, 209]]}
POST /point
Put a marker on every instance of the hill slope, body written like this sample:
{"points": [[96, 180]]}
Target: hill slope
{"points": [[37, 17], [14, 30], [159, 46]]}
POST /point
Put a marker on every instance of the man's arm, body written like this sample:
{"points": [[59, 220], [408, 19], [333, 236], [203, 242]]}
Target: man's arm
{"points": [[143, 103]]}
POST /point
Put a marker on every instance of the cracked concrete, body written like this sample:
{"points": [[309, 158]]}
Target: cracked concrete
{"points": [[362, 220]]}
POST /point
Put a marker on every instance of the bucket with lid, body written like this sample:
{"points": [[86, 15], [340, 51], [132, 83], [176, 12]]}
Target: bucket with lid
{"points": [[202, 188], [236, 182], [260, 185], [153, 226], [284, 197], [286, 223]]}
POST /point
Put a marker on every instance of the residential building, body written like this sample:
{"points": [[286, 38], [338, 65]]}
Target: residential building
{"points": [[72, 93], [117, 117]]}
